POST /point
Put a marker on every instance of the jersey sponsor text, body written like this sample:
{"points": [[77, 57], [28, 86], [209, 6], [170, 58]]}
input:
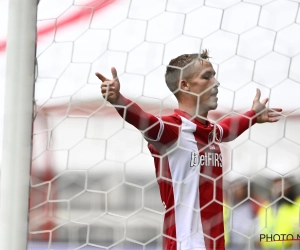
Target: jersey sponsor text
{"points": [[208, 159]]}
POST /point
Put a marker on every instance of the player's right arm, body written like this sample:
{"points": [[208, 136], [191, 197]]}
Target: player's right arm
{"points": [[153, 127]]}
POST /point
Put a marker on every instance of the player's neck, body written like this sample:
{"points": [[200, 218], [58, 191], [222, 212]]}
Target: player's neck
{"points": [[192, 111]]}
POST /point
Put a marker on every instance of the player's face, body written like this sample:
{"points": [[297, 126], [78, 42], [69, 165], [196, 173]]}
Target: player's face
{"points": [[204, 84]]}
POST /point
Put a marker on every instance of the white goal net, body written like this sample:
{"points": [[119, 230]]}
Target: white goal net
{"points": [[93, 183]]}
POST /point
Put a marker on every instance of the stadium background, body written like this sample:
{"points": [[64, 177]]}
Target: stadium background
{"points": [[92, 175]]}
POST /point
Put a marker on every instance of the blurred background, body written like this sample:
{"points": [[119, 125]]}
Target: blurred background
{"points": [[93, 184]]}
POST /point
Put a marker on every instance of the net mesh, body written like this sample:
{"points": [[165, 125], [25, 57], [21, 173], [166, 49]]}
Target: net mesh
{"points": [[93, 184]]}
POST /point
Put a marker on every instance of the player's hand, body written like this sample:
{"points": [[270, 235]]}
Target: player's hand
{"points": [[110, 89], [265, 114]]}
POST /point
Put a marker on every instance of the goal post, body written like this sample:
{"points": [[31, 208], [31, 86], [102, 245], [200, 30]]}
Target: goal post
{"points": [[17, 130]]}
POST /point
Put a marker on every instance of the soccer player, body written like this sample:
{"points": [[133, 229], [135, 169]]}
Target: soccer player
{"points": [[185, 147]]}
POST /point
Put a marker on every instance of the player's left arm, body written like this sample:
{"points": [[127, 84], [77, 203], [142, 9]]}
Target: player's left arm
{"points": [[259, 113], [264, 114]]}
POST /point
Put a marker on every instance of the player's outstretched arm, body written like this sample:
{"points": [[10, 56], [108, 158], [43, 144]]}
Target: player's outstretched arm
{"points": [[147, 123], [264, 114], [236, 125]]}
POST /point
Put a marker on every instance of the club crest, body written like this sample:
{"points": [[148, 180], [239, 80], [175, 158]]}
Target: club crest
{"points": [[215, 136]]}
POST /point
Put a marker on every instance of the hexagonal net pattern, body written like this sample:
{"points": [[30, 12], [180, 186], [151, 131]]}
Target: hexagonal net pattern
{"points": [[93, 180]]}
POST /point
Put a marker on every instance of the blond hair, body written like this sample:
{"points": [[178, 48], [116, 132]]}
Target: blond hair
{"points": [[182, 67]]}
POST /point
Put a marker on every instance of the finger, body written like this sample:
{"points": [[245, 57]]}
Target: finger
{"points": [[106, 84], [272, 111], [276, 109], [107, 88], [114, 73], [107, 94], [101, 77], [264, 101], [258, 94], [104, 90], [275, 119], [273, 114]]}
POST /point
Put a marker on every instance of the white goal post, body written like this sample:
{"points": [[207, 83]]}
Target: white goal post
{"points": [[18, 116]]}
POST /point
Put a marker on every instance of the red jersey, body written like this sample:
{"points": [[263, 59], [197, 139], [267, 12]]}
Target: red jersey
{"points": [[188, 165]]}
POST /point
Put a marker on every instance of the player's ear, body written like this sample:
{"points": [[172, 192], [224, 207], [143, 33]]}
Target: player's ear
{"points": [[184, 85]]}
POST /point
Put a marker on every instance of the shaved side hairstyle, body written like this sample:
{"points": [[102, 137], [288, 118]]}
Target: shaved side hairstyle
{"points": [[182, 67]]}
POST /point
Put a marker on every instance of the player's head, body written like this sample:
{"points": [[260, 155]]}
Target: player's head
{"points": [[191, 77]]}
